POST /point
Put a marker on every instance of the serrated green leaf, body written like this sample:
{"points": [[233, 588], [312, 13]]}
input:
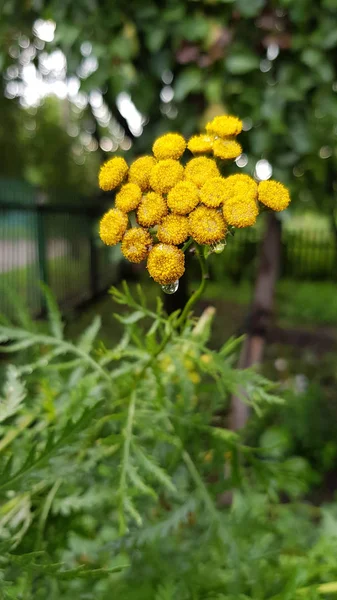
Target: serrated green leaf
{"points": [[133, 512], [54, 315], [148, 464], [139, 483], [88, 337], [130, 319]]}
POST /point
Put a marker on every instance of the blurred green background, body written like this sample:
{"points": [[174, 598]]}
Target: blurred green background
{"points": [[83, 80]]}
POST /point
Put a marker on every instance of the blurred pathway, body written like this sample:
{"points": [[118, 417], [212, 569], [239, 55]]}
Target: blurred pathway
{"points": [[22, 253]]}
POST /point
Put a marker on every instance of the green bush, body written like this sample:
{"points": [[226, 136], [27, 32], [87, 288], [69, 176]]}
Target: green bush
{"points": [[307, 302]]}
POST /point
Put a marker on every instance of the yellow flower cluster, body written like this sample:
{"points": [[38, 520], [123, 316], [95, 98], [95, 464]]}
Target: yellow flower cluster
{"points": [[207, 225], [274, 195], [166, 263], [224, 126], [112, 173], [176, 203], [171, 145]]}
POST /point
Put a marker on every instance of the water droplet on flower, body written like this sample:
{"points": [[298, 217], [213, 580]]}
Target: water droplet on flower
{"points": [[219, 247], [170, 288]]}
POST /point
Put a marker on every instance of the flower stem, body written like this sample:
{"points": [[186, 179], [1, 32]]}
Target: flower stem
{"points": [[187, 245], [198, 292]]}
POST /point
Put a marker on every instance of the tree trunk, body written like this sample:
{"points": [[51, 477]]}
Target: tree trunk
{"points": [[334, 231], [261, 311]]}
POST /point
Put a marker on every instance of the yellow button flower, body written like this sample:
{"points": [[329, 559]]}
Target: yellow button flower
{"points": [[199, 169], [226, 149], [224, 126], [240, 211], [136, 243], [166, 263], [173, 229], [140, 171], [112, 173], [207, 225], [151, 209], [183, 198], [240, 185], [128, 197], [113, 226], [165, 175], [201, 144], [170, 145], [274, 195], [214, 192]]}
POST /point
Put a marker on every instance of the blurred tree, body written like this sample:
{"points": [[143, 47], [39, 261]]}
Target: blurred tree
{"points": [[12, 155], [273, 63], [53, 159], [35, 145]]}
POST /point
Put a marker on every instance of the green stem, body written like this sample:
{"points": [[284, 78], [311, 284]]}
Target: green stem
{"points": [[187, 245], [198, 293], [125, 461], [45, 511], [209, 504], [132, 406]]}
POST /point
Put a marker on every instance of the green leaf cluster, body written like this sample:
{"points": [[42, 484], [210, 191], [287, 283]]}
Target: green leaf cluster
{"points": [[118, 471]]}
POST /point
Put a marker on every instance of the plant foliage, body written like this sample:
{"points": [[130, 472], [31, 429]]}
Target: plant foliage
{"points": [[117, 470]]}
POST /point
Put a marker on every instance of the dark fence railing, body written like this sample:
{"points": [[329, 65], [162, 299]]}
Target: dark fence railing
{"points": [[43, 238], [307, 253], [54, 242]]}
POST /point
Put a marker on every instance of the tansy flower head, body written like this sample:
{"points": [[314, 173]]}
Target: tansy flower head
{"points": [[213, 192], [199, 169], [113, 226], [151, 209], [140, 170], [112, 173], [183, 198], [136, 243], [240, 211], [165, 175], [128, 197], [170, 145], [173, 229], [165, 263], [224, 126], [207, 225], [274, 195], [201, 144], [240, 185], [226, 149]]}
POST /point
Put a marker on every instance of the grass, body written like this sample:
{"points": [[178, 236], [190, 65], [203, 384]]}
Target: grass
{"points": [[306, 302]]}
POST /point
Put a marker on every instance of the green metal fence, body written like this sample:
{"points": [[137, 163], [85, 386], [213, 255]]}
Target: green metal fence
{"points": [[308, 252], [42, 238], [52, 238]]}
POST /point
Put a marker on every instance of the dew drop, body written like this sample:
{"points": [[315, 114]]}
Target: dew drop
{"points": [[170, 288]]}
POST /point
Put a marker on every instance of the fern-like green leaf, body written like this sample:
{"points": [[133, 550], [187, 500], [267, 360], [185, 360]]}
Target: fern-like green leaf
{"points": [[54, 315], [89, 335], [154, 470], [14, 393]]}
